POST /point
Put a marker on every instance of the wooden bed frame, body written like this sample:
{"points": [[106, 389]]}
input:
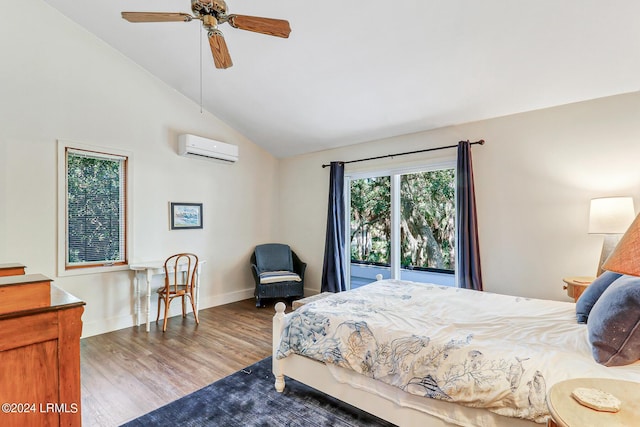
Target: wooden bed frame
{"points": [[317, 375]]}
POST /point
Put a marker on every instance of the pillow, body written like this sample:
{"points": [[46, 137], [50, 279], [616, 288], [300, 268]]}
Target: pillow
{"points": [[614, 323], [278, 276], [592, 293]]}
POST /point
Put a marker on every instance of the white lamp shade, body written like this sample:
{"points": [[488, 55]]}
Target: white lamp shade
{"points": [[611, 215]]}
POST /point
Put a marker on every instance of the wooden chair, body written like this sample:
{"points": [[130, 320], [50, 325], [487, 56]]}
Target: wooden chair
{"points": [[180, 277]]}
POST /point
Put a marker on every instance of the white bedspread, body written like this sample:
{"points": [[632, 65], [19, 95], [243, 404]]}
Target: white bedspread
{"points": [[476, 349]]}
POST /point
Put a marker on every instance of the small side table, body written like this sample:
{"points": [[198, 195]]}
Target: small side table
{"points": [[575, 285], [567, 412]]}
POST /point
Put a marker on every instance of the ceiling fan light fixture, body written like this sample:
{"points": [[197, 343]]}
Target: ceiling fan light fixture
{"points": [[212, 13], [208, 7], [210, 22]]}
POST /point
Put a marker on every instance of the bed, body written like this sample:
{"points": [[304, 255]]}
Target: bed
{"points": [[419, 354]]}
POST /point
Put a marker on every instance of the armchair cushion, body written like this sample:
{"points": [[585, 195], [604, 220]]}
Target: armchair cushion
{"points": [[278, 276], [274, 257]]}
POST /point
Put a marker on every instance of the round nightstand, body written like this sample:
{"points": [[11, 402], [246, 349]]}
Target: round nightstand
{"points": [[575, 285], [567, 412]]}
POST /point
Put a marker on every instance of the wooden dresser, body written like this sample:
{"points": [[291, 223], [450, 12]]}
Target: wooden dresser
{"points": [[40, 328], [11, 269]]}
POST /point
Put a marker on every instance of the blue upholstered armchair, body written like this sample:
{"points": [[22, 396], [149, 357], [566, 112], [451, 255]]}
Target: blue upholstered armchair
{"points": [[278, 272]]}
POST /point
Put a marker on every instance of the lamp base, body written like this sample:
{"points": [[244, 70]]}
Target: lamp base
{"points": [[608, 245]]}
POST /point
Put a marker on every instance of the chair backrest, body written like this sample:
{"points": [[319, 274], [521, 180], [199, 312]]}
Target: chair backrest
{"points": [[274, 257], [180, 270]]}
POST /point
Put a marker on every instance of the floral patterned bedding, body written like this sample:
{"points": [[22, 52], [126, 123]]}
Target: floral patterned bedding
{"points": [[476, 349]]}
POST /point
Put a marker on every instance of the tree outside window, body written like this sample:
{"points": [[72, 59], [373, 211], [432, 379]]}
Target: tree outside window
{"points": [[427, 227], [427, 220], [96, 211]]}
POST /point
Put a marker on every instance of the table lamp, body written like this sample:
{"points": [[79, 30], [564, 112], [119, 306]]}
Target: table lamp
{"points": [[610, 216], [625, 259]]}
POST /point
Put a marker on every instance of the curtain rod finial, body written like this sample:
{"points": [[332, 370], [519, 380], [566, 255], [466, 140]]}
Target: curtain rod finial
{"points": [[327, 165]]}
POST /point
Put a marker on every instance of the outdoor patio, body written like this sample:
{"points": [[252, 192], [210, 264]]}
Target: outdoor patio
{"points": [[363, 274]]}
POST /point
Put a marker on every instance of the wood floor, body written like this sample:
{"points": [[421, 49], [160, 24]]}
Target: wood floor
{"points": [[130, 372]]}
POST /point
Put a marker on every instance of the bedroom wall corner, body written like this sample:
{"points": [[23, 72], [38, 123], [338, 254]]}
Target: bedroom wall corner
{"points": [[535, 177], [78, 88]]}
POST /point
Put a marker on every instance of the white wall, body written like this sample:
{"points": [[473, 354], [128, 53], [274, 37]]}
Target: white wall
{"points": [[534, 179], [535, 176], [57, 81]]}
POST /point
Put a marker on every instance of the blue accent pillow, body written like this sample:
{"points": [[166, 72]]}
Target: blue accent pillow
{"points": [[614, 323], [590, 295]]}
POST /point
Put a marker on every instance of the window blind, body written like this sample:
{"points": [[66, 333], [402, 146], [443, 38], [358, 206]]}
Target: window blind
{"points": [[96, 208]]}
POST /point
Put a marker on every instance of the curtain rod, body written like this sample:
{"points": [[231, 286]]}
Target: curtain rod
{"points": [[481, 142]]}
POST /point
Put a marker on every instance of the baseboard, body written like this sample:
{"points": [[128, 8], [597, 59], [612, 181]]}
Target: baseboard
{"points": [[216, 300], [102, 326]]}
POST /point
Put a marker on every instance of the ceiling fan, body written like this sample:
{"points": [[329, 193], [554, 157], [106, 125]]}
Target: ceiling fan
{"points": [[212, 13]]}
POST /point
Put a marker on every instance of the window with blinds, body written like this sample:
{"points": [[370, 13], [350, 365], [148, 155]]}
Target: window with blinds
{"points": [[95, 209]]}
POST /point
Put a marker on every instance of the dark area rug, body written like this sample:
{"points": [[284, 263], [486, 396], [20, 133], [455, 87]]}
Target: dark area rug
{"points": [[248, 398]]}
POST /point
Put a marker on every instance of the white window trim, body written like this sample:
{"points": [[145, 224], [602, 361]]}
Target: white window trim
{"points": [[427, 167], [347, 230], [63, 145], [394, 174]]}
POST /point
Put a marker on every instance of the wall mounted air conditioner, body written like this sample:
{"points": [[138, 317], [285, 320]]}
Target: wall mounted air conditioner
{"points": [[203, 148]]}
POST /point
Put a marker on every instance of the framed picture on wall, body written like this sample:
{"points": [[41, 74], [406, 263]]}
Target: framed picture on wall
{"points": [[185, 216]]}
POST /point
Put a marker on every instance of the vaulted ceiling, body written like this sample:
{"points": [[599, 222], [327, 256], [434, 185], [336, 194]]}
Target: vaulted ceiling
{"points": [[361, 70]]}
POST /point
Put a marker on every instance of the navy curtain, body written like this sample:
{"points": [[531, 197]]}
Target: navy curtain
{"points": [[467, 246], [334, 268]]}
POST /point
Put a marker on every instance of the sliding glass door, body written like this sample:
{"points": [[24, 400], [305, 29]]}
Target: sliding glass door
{"points": [[370, 222], [402, 225]]}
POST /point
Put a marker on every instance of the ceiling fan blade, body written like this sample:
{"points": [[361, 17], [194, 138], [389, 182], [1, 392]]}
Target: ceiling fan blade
{"points": [[156, 17], [221, 57], [269, 26]]}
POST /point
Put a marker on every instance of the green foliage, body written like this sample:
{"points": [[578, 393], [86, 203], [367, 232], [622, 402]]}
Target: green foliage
{"points": [[94, 211], [428, 219], [427, 223], [371, 219]]}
